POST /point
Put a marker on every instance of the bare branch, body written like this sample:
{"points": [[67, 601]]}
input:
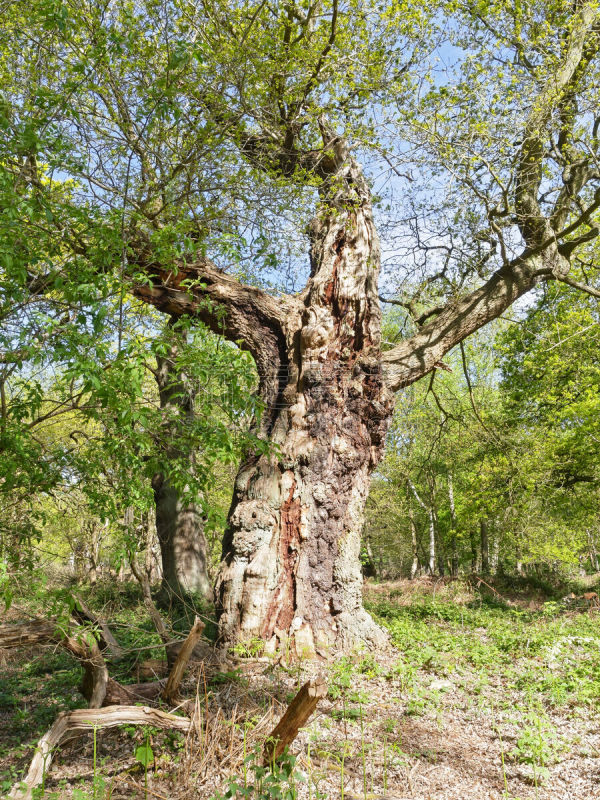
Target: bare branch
{"points": [[171, 690], [533, 225], [583, 287], [415, 357]]}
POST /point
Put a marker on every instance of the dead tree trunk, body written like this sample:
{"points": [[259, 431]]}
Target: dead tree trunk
{"points": [[296, 716], [414, 567], [106, 640], [290, 566]]}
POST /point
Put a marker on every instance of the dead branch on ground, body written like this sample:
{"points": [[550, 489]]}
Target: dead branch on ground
{"points": [[83, 719], [171, 689]]}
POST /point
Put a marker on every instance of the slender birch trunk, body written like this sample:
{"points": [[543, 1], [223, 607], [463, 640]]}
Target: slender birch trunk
{"points": [[453, 533], [430, 514], [414, 567]]}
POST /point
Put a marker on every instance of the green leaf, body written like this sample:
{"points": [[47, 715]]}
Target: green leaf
{"points": [[144, 755]]}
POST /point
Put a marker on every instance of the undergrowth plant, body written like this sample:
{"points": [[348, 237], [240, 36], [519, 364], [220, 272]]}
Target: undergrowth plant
{"points": [[277, 781], [537, 745]]}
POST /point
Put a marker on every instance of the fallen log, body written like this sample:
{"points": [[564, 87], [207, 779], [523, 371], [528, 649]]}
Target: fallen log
{"points": [[98, 688], [296, 716], [84, 719], [85, 650], [22, 634]]}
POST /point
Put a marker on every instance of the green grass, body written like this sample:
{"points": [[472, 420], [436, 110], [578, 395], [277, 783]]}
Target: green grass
{"points": [[549, 656], [516, 671], [30, 699]]}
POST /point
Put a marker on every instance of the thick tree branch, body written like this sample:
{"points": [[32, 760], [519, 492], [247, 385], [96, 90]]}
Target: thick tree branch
{"points": [[84, 719], [415, 357], [545, 257], [244, 314], [583, 287]]}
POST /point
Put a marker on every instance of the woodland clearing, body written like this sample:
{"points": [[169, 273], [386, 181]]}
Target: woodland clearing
{"points": [[476, 698]]}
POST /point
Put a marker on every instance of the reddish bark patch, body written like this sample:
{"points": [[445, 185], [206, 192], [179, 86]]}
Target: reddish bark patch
{"points": [[330, 288], [340, 241], [283, 605]]}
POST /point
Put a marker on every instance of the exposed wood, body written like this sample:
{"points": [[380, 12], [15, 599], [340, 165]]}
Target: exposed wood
{"points": [[171, 690], [95, 678], [23, 634], [83, 719], [296, 716], [149, 604], [107, 641], [290, 570]]}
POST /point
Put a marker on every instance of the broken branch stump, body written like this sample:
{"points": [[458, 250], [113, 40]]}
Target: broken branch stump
{"points": [[296, 716], [106, 640], [171, 690]]}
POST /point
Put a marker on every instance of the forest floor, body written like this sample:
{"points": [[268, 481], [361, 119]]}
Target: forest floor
{"points": [[477, 698]]}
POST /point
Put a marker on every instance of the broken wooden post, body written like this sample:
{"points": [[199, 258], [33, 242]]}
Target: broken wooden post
{"points": [[171, 690], [296, 716]]}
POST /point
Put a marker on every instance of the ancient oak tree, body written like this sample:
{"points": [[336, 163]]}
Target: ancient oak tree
{"points": [[192, 118]]}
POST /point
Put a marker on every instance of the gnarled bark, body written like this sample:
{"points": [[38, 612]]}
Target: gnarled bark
{"points": [[290, 570]]}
